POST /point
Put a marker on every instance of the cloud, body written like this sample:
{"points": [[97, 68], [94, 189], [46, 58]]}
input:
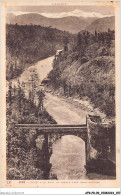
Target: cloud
{"points": [[77, 13], [17, 13]]}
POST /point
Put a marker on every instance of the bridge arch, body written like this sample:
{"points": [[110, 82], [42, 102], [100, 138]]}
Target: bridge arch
{"points": [[53, 137], [72, 148]]}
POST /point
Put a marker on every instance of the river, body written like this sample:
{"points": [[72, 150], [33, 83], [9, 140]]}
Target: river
{"points": [[68, 155], [63, 111]]}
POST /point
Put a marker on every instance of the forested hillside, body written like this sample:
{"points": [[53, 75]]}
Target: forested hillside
{"points": [[28, 44], [88, 70]]}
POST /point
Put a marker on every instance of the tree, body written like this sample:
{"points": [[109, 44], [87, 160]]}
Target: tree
{"points": [[10, 94], [64, 86], [79, 40], [20, 96], [30, 96], [11, 71], [95, 38], [41, 96], [95, 33], [14, 91], [70, 89], [66, 44]]}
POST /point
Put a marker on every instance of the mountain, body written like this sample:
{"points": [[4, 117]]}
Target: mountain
{"points": [[102, 24], [10, 17], [66, 13], [90, 20], [71, 23]]}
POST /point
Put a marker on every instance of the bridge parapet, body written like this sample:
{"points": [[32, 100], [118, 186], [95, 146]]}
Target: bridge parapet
{"points": [[77, 130]]}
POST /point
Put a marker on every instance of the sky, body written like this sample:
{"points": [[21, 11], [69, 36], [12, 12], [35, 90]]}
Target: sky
{"points": [[64, 11]]}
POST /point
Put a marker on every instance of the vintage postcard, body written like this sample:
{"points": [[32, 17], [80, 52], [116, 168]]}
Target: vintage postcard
{"points": [[60, 94]]}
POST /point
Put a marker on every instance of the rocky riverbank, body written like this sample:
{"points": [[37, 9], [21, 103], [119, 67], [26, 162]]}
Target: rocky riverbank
{"points": [[84, 104]]}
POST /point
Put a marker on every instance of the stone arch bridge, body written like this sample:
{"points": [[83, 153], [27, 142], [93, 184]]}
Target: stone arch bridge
{"points": [[53, 132], [98, 141]]}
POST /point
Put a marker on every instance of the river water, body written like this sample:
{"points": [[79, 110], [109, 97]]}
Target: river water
{"points": [[68, 157]]}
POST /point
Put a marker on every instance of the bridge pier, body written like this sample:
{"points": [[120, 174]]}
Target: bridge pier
{"points": [[100, 147], [43, 155], [47, 165]]}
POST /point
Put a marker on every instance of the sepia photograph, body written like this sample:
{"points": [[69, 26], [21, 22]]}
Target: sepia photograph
{"points": [[60, 92]]}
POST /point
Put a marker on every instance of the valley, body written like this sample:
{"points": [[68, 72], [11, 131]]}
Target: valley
{"points": [[60, 74]]}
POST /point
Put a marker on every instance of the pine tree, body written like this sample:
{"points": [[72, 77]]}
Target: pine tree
{"points": [[19, 96], [10, 94], [79, 40], [66, 44], [41, 96]]}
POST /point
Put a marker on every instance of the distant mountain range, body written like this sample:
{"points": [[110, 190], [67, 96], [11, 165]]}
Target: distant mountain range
{"points": [[72, 24], [102, 24]]}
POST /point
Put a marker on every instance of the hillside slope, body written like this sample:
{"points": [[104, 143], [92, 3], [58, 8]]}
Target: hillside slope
{"points": [[102, 24], [30, 43], [88, 71]]}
